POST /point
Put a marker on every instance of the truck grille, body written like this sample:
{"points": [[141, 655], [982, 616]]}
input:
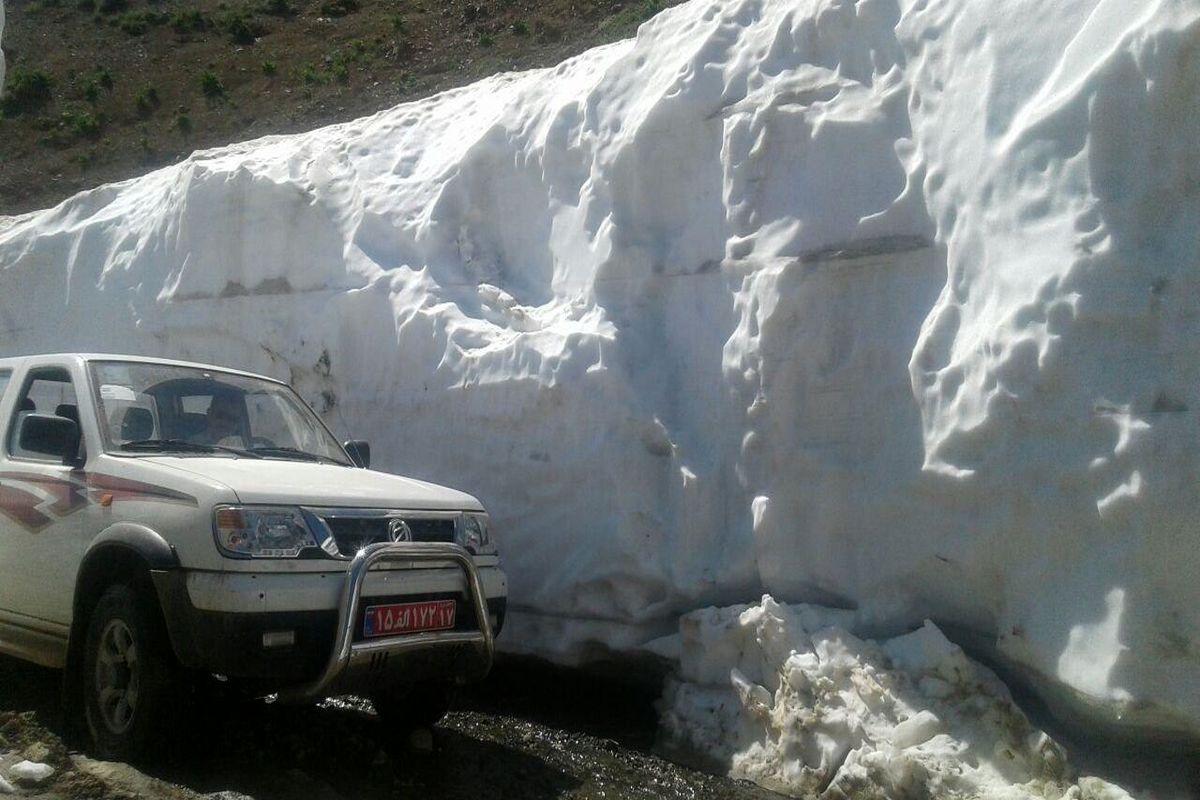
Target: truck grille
{"points": [[351, 534]]}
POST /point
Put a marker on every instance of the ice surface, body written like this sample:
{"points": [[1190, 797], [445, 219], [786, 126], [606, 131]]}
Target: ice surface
{"points": [[886, 305], [788, 697]]}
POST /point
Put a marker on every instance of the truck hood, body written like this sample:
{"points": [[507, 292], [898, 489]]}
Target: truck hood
{"points": [[281, 482]]}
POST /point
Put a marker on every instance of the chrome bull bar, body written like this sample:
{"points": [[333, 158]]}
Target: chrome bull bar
{"points": [[345, 649]]}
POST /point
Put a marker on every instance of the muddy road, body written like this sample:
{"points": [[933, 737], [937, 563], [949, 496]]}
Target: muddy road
{"points": [[530, 731]]}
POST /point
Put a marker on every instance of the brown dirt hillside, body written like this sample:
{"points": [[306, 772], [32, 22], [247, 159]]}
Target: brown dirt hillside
{"points": [[103, 90]]}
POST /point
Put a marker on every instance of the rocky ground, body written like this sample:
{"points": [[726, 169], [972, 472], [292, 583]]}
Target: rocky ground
{"points": [[531, 731]]}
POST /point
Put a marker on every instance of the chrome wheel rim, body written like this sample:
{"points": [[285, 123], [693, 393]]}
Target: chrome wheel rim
{"points": [[118, 674]]}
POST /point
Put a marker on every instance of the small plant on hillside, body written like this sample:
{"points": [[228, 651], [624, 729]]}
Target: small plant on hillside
{"points": [[87, 158], [398, 23], [211, 86], [339, 8], [183, 122], [137, 23], [91, 91], [104, 77], [310, 74], [190, 21], [80, 123], [146, 101], [149, 152], [240, 26], [486, 40], [111, 6], [519, 28], [270, 68], [28, 90]]}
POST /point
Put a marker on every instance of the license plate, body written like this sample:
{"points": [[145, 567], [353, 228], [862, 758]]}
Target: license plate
{"points": [[389, 620]]}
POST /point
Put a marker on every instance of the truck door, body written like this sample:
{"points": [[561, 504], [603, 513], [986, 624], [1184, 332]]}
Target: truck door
{"points": [[40, 503]]}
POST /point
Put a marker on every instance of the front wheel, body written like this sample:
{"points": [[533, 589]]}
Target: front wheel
{"points": [[126, 675]]}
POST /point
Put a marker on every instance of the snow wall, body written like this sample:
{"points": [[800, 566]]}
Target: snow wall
{"points": [[877, 304]]}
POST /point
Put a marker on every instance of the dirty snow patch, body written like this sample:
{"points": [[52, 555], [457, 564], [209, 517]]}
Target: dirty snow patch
{"points": [[790, 698]]}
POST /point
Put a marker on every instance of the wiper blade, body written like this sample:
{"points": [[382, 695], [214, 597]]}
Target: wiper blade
{"points": [[182, 445], [293, 452], [167, 444]]}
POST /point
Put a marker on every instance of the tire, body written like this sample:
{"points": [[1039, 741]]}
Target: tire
{"points": [[127, 674], [406, 708]]}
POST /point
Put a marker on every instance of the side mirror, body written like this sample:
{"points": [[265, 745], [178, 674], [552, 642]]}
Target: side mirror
{"points": [[50, 436], [359, 452]]}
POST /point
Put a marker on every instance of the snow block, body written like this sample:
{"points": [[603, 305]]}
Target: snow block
{"points": [[878, 304]]}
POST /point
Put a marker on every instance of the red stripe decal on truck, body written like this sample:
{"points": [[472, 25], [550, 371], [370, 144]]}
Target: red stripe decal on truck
{"points": [[23, 495]]}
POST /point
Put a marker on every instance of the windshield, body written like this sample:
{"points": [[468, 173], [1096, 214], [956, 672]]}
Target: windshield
{"points": [[147, 408]]}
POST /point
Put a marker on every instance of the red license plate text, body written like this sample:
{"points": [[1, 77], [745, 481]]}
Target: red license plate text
{"points": [[389, 620]]}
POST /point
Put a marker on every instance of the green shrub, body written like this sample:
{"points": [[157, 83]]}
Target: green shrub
{"points": [[211, 85], [398, 23], [519, 28], [190, 21], [147, 101], [111, 6], [240, 26], [104, 77], [486, 40], [183, 122], [310, 74], [270, 68], [80, 123], [28, 90]]}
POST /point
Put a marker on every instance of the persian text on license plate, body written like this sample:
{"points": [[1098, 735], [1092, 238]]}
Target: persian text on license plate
{"points": [[389, 620]]}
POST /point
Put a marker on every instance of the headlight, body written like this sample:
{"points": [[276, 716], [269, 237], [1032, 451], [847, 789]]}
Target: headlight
{"points": [[261, 531], [473, 532]]}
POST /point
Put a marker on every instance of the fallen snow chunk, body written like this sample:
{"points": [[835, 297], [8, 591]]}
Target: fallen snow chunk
{"points": [[6, 787], [840, 716], [31, 773], [1097, 789], [917, 729]]}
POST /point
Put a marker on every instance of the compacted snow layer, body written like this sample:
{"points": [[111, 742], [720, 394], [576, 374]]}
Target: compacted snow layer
{"points": [[789, 698], [876, 304]]}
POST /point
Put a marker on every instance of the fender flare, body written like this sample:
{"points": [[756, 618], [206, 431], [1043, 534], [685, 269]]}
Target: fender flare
{"points": [[144, 541], [141, 541]]}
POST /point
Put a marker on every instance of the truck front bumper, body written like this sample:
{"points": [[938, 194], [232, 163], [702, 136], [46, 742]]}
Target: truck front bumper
{"points": [[299, 633]]}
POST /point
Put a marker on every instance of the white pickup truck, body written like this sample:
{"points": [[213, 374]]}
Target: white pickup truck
{"points": [[161, 520]]}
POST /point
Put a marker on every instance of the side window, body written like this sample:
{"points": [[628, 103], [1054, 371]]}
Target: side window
{"points": [[47, 391]]}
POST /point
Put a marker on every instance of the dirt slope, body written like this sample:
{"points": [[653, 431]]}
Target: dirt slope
{"points": [[102, 90]]}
